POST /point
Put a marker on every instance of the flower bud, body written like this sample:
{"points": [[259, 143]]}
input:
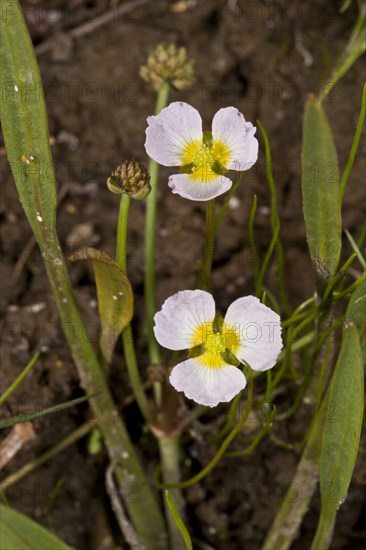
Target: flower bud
{"points": [[130, 178], [167, 63]]}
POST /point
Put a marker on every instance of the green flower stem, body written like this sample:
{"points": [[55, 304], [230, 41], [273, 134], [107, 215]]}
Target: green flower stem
{"points": [[170, 455], [150, 234], [121, 249], [204, 277], [127, 335], [168, 446]]}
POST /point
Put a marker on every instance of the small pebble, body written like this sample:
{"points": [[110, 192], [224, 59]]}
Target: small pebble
{"points": [[36, 308], [264, 210], [234, 203]]}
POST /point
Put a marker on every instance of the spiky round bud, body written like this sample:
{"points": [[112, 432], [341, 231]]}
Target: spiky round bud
{"points": [[167, 63], [130, 178]]}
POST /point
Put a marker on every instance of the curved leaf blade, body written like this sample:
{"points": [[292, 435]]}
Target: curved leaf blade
{"points": [[320, 193], [115, 297], [178, 520], [18, 531], [342, 430]]}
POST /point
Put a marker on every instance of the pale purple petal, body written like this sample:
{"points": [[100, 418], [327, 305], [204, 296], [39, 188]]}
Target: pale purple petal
{"points": [[259, 332], [186, 187], [207, 386], [170, 131], [181, 316], [229, 126]]}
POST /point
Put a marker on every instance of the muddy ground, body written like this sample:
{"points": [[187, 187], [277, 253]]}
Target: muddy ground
{"points": [[262, 57]]}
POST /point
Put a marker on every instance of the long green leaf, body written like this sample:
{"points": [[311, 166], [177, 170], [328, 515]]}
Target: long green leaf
{"points": [[18, 532], [27, 417], [342, 432], [178, 520], [115, 297], [320, 193], [23, 118]]}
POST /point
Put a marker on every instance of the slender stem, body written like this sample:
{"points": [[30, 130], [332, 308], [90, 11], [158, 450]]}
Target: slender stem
{"points": [[170, 455], [121, 250], [168, 446], [205, 275], [150, 234], [127, 334], [253, 445]]}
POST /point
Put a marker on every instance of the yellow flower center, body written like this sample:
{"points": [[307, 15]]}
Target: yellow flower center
{"points": [[215, 343], [202, 157]]}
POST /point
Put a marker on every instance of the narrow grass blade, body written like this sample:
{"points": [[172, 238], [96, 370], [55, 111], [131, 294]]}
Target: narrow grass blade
{"points": [[178, 520], [355, 249], [27, 417], [355, 143], [7, 393], [320, 193]]}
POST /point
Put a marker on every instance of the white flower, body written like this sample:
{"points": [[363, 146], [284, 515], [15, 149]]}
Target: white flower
{"points": [[174, 138], [250, 332]]}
